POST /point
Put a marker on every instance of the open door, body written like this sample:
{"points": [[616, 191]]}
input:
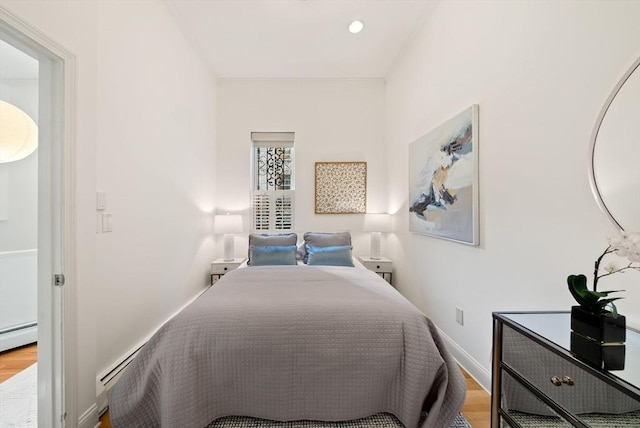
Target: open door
{"points": [[55, 220]]}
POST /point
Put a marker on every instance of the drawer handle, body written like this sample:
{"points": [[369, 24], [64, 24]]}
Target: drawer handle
{"points": [[565, 380]]}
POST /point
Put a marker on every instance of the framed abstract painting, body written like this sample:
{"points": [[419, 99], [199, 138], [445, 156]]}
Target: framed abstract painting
{"points": [[443, 180]]}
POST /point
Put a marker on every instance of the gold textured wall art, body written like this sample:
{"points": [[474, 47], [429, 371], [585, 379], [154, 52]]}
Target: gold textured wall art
{"points": [[341, 187]]}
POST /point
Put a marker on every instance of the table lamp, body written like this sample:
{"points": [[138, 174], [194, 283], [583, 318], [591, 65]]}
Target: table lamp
{"points": [[227, 225], [376, 224]]}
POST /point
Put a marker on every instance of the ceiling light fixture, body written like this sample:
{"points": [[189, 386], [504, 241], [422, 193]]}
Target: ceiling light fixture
{"points": [[356, 26], [18, 133]]}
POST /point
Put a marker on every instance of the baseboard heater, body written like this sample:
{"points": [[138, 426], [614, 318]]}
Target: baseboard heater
{"points": [[109, 377], [112, 376], [19, 327], [18, 335]]}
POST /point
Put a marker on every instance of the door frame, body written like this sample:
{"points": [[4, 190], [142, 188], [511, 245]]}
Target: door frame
{"points": [[57, 335]]}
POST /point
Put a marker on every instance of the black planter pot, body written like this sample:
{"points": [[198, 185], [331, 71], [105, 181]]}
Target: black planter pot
{"points": [[598, 339], [599, 327], [608, 356]]}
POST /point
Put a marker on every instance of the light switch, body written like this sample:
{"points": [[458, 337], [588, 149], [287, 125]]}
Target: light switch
{"points": [[107, 226], [101, 201]]}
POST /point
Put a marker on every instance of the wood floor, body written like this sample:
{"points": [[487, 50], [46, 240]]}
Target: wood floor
{"points": [[476, 408], [14, 361]]}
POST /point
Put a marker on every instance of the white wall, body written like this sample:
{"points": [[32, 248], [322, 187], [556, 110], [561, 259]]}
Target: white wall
{"points": [[334, 120], [19, 179], [156, 163], [540, 72], [145, 136]]}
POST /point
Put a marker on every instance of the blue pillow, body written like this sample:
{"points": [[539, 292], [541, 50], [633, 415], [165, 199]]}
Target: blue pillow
{"points": [[324, 239], [265, 255], [267, 239], [339, 255]]}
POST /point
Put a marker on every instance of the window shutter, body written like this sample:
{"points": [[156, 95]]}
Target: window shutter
{"points": [[284, 211], [273, 180], [273, 211], [261, 211]]}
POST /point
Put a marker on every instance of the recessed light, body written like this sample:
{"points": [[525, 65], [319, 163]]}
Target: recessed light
{"points": [[356, 26]]}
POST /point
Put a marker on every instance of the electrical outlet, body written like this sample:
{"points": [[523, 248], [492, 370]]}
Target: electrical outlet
{"points": [[459, 316]]}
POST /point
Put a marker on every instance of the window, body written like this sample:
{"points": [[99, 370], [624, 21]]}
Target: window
{"points": [[273, 180]]}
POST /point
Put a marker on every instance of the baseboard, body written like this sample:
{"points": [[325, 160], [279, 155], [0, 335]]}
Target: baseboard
{"points": [[108, 377], [90, 419], [467, 362], [18, 338]]}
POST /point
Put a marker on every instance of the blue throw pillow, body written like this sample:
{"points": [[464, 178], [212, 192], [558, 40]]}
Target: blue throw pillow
{"points": [[271, 239], [339, 255], [324, 239], [266, 255]]}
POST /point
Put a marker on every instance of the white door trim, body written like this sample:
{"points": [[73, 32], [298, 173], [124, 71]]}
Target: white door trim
{"points": [[57, 399]]}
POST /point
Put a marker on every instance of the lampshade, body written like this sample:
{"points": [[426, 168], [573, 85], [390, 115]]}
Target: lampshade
{"points": [[229, 223], [377, 223], [18, 133]]}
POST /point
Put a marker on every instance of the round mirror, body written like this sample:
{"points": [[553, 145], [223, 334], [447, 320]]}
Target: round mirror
{"points": [[615, 149]]}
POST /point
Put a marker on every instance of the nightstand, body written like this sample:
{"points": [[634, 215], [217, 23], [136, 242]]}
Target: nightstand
{"points": [[537, 378], [382, 266], [221, 266]]}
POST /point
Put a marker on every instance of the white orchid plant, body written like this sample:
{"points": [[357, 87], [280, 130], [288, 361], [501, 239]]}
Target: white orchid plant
{"points": [[624, 244]]}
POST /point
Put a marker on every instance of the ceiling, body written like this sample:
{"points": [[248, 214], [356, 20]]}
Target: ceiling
{"points": [[280, 39]]}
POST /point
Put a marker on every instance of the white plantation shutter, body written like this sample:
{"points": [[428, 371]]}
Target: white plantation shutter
{"points": [[261, 209], [273, 181], [273, 210], [284, 211]]}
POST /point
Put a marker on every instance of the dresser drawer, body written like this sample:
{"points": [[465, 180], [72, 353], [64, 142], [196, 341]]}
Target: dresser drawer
{"points": [[526, 419], [580, 393], [552, 420], [377, 265]]}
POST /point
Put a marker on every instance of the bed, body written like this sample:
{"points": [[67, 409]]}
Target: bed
{"points": [[287, 343]]}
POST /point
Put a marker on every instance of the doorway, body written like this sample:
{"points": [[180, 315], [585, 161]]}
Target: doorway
{"points": [[54, 220], [18, 234]]}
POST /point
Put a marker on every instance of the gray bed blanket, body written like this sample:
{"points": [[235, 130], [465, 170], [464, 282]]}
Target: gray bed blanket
{"points": [[292, 343]]}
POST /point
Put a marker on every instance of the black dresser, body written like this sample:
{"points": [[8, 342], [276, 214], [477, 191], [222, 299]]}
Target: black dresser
{"points": [[537, 382]]}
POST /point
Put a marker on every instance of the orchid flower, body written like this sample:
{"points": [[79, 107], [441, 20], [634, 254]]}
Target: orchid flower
{"points": [[625, 244]]}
